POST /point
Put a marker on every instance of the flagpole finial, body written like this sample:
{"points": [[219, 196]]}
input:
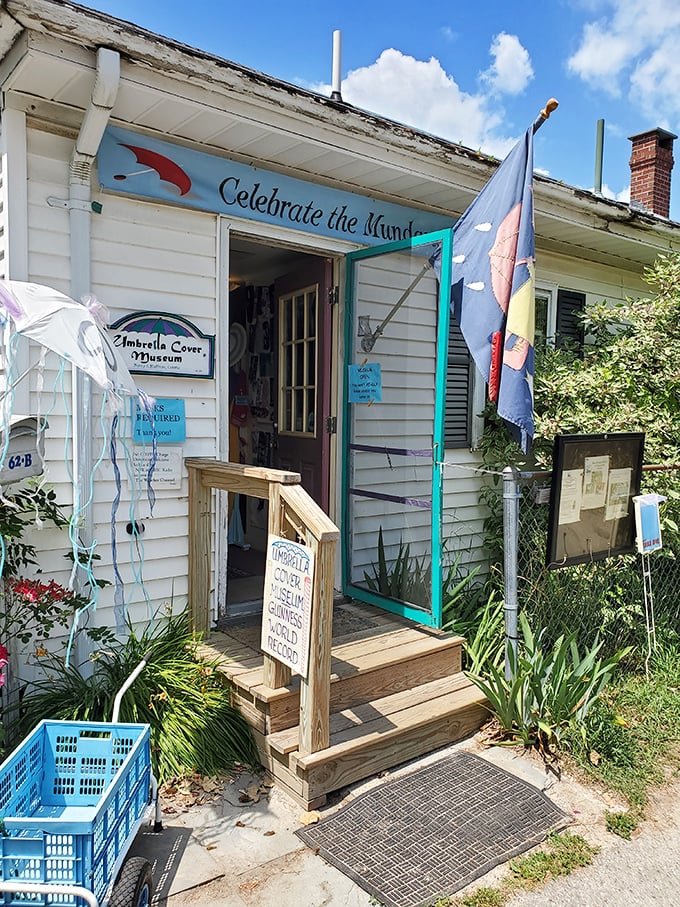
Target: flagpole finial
{"points": [[551, 105]]}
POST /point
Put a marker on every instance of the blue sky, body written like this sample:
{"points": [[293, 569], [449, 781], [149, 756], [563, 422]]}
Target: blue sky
{"points": [[477, 72]]}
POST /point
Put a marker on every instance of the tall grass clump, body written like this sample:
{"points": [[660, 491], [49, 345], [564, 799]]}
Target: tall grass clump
{"points": [[194, 725]]}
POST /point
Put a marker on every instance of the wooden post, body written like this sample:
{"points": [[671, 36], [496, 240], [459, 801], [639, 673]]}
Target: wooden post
{"points": [[275, 673], [315, 691], [200, 507]]}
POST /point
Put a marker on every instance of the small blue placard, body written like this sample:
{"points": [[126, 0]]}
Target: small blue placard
{"points": [[169, 420], [647, 521], [365, 383]]}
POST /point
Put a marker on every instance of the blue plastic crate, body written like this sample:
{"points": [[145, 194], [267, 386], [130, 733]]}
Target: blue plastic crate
{"points": [[70, 799]]}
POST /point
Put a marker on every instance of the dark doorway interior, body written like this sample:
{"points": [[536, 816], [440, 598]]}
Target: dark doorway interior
{"points": [[261, 416]]}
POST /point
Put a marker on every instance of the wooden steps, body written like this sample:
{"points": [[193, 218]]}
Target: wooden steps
{"points": [[397, 692]]}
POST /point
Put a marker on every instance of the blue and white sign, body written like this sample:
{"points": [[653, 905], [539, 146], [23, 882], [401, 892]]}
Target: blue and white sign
{"points": [[168, 419], [647, 522], [136, 164], [365, 383]]}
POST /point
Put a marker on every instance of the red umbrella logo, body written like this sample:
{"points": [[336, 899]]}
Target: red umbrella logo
{"points": [[168, 170]]}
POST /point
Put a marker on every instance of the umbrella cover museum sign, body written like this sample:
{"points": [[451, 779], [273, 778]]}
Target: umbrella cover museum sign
{"points": [[287, 618], [153, 343]]}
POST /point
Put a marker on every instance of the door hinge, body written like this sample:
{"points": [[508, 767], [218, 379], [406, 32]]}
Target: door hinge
{"points": [[331, 425], [333, 295]]}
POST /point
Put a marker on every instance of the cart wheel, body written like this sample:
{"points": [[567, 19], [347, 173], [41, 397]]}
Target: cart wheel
{"points": [[133, 887]]}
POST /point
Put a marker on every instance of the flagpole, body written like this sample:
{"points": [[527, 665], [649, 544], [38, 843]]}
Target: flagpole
{"points": [[551, 105]]}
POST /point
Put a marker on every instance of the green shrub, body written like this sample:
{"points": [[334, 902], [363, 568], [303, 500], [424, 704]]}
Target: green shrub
{"points": [[482, 625], [194, 725], [548, 690]]}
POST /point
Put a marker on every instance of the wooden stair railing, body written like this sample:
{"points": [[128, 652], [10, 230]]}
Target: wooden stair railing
{"points": [[292, 515]]}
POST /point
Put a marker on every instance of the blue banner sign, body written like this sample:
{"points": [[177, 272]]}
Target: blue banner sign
{"points": [[136, 164]]}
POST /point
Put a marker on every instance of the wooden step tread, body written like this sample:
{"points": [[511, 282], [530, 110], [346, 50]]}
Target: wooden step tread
{"points": [[359, 725], [245, 665], [352, 665]]}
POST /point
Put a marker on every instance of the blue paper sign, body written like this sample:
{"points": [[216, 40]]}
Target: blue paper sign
{"points": [[365, 383], [169, 421], [647, 522]]}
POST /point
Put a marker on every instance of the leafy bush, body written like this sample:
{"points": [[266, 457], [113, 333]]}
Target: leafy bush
{"points": [[547, 690], [194, 725]]}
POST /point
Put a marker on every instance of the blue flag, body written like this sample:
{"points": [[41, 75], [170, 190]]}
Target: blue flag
{"points": [[493, 286]]}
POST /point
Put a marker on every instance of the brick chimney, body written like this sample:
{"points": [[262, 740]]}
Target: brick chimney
{"points": [[651, 162]]}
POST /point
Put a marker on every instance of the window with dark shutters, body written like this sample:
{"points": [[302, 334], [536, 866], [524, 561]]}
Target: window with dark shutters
{"points": [[569, 330], [458, 390]]}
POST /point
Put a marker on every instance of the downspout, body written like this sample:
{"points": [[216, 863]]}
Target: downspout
{"points": [[97, 114]]}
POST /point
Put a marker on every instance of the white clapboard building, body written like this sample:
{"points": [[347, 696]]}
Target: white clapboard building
{"points": [[212, 209]]}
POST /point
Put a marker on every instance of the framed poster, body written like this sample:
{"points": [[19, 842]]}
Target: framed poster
{"points": [[594, 481]]}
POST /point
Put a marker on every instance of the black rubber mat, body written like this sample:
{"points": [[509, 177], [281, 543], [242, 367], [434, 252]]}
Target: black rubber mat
{"points": [[430, 833]]}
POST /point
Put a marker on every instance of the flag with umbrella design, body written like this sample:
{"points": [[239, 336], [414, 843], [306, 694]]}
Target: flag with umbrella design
{"points": [[493, 286]]}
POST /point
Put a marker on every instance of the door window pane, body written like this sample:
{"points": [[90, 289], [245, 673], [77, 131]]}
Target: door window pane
{"points": [[297, 356]]}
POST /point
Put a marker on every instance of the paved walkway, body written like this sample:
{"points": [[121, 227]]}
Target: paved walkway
{"points": [[230, 853]]}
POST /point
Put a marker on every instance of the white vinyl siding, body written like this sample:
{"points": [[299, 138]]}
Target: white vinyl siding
{"points": [[144, 257]]}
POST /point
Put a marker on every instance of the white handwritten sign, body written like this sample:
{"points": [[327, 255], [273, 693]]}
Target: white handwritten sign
{"points": [[286, 616]]}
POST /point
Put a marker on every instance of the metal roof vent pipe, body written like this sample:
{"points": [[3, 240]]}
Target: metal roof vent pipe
{"points": [[337, 67], [651, 162], [599, 155]]}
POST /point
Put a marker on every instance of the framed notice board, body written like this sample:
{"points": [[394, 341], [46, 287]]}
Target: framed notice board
{"points": [[594, 480]]}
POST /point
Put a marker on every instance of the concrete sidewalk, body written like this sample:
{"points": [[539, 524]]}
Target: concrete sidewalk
{"points": [[240, 850]]}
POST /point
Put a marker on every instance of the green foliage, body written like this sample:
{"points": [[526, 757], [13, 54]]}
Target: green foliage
{"points": [[632, 736], [482, 625], [622, 824], [562, 854], [629, 376], [194, 726], [406, 578], [547, 691], [567, 852], [483, 897], [29, 505]]}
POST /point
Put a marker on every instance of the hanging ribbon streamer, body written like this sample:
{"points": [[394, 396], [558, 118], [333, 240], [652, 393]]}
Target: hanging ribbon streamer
{"points": [[147, 404], [83, 555], [118, 591]]}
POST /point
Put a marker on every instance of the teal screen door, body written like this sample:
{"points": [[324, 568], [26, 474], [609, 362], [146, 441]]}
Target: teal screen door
{"points": [[394, 389]]}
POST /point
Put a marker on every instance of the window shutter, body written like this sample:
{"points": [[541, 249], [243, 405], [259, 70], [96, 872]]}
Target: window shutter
{"points": [[569, 330], [458, 390]]}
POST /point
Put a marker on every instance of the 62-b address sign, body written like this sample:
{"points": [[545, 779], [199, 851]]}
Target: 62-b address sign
{"points": [[19, 460]]}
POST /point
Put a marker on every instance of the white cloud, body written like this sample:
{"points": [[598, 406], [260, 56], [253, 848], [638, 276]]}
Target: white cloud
{"points": [[632, 50], [421, 94], [511, 70], [622, 196]]}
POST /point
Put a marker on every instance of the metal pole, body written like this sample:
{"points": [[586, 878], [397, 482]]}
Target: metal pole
{"points": [[510, 545], [599, 152]]}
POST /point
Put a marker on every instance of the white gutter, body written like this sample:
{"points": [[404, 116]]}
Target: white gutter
{"points": [[97, 114]]}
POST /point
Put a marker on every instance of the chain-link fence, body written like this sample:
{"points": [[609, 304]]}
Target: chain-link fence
{"points": [[604, 599]]}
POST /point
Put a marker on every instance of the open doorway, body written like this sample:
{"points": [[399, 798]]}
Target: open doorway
{"points": [[279, 393]]}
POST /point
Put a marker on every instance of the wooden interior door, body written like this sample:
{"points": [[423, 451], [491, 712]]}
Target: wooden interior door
{"points": [[302, 442]]}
